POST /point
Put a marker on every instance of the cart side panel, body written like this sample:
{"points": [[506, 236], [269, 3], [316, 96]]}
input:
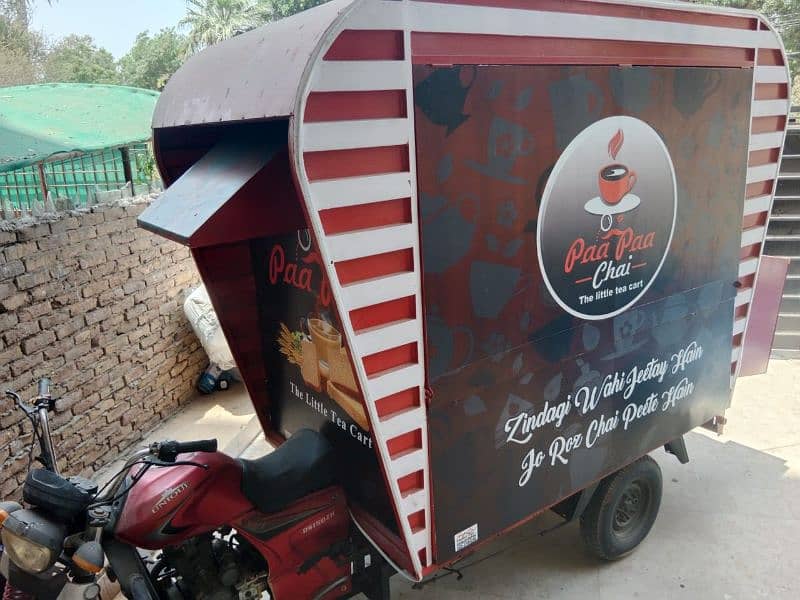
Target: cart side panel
{"points": [[568, 338], [309, 373]]}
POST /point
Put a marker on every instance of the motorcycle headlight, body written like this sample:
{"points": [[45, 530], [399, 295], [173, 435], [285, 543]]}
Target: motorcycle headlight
{"points": [[32, 541]]}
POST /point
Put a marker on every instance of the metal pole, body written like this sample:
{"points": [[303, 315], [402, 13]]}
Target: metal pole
{"points": [[42, 181]]}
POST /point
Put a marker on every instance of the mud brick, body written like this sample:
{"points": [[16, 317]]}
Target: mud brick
{"points": [[69, 327], [103, 270], [20, 250], [101, 366], [10, 419], [48, 290], [34, 311], [86, 404], [110, 297], [116, 252], [79, 277], [87, 261], [7, 237], [53, 241], [128, 262], [66, 401], [65, 224], [123, 238], [29, 280], [8, 320], [82, 307], [20, 332], [81, 235], [59, 348], [97, 315], [92, 218], [33, 232], [12, 303], [54, 319], [77, 351], [37, 342], [7, 289], [12, 268], [110, 227]]}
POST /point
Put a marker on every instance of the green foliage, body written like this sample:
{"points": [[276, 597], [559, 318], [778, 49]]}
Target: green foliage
{"points": [[153, 59], [75, 59], [784, 16], [211, 21], [272, 10], [21, 53]]}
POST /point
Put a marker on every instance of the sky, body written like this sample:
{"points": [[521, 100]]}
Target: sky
{"points": [[114, 24]]}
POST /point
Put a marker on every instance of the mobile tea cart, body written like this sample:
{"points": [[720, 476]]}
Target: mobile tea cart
{"points": [[494, 251]]}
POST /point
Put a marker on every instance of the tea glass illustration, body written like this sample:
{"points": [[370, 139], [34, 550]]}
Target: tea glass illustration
{"points": [[615, 181], [325, 336]]}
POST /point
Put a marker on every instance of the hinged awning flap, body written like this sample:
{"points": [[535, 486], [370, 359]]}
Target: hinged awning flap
{"points": [[186, 206]]}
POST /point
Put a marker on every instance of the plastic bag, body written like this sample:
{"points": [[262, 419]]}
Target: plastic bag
{"points": [[206, 327]]}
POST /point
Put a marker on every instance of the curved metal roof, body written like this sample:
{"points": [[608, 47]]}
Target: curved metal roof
{"points": [[251, 76]]}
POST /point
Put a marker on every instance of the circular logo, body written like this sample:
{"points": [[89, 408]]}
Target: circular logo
{"points": [[607, 217]]}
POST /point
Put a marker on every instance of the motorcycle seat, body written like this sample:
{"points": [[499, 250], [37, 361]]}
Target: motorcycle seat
{"points": [[303, 464]]}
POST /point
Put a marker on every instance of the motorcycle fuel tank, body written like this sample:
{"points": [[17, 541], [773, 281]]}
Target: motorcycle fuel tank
{"points": [[171, 504]]}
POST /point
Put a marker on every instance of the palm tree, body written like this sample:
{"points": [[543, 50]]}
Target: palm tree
{"points": [[211, 21]]}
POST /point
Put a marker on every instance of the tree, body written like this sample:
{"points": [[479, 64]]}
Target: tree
{"points": [[211, 21], [152, 60], [21, 54], [272, 10], [76, 59]]}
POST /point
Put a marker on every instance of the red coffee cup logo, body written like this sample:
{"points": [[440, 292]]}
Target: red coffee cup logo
{"points": [[604, 232], [615, 182]]}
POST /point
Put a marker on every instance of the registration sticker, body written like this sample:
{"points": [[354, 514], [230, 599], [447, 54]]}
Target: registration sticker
{"points": [[466, 538]]}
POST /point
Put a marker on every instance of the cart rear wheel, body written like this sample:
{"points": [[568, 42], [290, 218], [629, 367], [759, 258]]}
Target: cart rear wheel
{"points": [[622, 510]]}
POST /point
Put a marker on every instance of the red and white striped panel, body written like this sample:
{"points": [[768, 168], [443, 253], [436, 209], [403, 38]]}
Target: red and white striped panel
{"points": [[768, 122], [354, 156], [355, 145]]}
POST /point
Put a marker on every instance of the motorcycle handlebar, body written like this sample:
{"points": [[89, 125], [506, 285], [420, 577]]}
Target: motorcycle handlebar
{"points": [[44, 387], [169, 450]]}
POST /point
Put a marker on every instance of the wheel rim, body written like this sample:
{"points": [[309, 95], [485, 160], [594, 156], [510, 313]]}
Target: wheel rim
{"points": [[631, 510]]}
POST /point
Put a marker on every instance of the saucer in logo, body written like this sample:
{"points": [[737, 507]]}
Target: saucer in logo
{"points": [[617, 169]]}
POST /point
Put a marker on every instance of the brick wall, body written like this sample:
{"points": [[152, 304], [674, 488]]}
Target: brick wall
{"points": [[94, 303]]}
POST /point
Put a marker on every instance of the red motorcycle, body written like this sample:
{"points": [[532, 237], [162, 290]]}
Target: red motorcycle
{"points": [[181, 521]]}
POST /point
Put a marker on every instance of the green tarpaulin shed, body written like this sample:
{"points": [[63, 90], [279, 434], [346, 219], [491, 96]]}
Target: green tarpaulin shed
{"points": [[39, 121]]}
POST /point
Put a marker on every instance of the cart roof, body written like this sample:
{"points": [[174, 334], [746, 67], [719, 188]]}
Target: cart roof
{"points": [[251, 76]]}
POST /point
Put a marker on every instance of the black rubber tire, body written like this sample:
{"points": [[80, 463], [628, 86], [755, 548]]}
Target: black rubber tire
{"points": [[612, 525]]}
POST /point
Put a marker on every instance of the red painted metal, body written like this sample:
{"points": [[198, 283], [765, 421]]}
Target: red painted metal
{"points": [[456, 48], [205, 499], [764, 308], [367, 45], [348, 106], [611, 9]]}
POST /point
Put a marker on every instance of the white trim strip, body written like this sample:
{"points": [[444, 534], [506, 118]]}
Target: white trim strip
{"points": [[754, 235], [351, 191], [377, 15], [770, 108], [748, 266], [771, 74], [737, 350], [394, 380], [367, 133], [360, 76], [383, 337], [762, 172], [738, 325], [756, 205], [402, 422], [743, 297], [407, 463], [415, 501], [378, 289], [449, 18], [419, 539], [766, 141], [368, 242]]}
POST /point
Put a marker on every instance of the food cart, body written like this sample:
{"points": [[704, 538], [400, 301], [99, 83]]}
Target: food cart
{"points": [[494, 250]]}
